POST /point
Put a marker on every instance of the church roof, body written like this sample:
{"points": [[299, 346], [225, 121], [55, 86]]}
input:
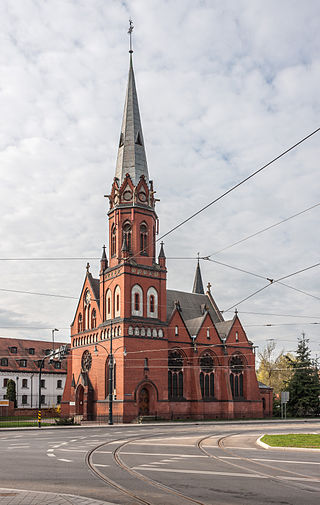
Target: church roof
{"points": [[95, 284], [193, 306], [223, 328], [131, 154]]}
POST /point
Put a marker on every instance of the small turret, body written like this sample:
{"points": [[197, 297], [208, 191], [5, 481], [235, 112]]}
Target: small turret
{"points": [[162, 257], [104, 260]]}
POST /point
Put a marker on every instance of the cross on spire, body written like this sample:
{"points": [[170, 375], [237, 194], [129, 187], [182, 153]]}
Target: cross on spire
{"points": [[130, 35]]}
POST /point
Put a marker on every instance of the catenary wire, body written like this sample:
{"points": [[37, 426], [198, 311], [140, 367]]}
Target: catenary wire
{"points": [[264, 229], [239, 184], [272, 281]]}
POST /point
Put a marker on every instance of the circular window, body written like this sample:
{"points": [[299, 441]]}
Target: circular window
{"points": [[127, 195], [86, 361], [142, 196]]}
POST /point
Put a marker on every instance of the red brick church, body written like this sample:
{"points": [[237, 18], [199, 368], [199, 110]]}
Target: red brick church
{"points": [[159, 352]]}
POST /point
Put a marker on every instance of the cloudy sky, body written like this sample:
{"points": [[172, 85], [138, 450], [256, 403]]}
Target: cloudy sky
{"points": [[224, 87]]}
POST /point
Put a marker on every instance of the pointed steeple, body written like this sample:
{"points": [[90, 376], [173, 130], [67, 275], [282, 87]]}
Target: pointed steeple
{"points": [[131, 154], [197, 284]]}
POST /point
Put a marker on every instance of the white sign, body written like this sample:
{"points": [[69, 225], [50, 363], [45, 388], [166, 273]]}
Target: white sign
{"points": [[72, 403], [284, 396]]}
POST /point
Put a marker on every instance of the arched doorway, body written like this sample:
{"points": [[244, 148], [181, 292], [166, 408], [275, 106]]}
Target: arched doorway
{"points": [[143, 402], [79, 400]]}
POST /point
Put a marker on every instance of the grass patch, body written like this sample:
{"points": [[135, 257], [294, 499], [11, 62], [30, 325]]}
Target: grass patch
{"points": [[307, 440], [21, 424]]}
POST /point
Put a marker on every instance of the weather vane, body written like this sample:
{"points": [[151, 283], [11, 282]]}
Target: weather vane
{"points": [[130, 34]]}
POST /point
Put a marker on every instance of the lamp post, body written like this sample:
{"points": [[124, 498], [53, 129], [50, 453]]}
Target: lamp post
{"points": [[110, 378], [55, 329]]}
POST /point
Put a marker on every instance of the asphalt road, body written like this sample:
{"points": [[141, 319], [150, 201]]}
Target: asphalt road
{"points": [[180, 464]]}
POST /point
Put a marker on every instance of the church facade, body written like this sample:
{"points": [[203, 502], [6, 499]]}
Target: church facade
{"points": [[143, 349]]}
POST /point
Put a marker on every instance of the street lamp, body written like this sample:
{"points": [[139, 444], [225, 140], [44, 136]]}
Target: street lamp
{"points": [[110, 419], [56, 329]]}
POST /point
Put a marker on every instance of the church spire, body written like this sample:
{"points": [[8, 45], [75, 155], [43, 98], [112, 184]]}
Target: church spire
{"points": [[197, 284], [131, 153]]}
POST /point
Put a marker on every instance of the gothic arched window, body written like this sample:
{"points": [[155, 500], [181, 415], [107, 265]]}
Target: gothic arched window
{"points": [[175, 375], [206, 376], [93, 319], [117, 301], [113, 241], [236, 376], [80, 326], [136, 301], [144, 239], [108, 304], [152, 302], [126, 232]]}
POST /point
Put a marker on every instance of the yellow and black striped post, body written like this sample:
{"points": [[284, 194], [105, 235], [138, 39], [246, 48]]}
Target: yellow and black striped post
{"points": [[39, 418]]}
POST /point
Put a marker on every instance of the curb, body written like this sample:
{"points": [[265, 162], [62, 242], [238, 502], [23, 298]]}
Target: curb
{"points": [[22, 496], [279, 448]]}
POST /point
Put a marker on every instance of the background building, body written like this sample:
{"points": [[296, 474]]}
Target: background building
{"points": [[20, 360], [165, 353]]}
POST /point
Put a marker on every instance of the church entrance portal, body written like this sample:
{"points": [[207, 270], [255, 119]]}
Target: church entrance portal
{"points": [[144, 402], [79, 400]]}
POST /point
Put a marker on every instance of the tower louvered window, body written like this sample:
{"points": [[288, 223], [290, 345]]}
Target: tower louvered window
{"points": [[144, 239], [113, 241], [127, 230], [175, 376]]}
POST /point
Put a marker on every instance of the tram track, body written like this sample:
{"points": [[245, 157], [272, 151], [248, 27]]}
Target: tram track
{"points": [[120, 463], [282, 480]]}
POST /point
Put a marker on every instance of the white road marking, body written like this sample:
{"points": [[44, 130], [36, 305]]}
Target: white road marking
{"points": [[74, 450], [275, 460], [97, 464], [50, 450], [305, 479], [65, 460], [203, 472], [19, 447], [51, 455]]}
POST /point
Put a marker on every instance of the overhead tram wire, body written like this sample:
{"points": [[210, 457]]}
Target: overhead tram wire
{"points": [[272, 281], [207, 258], [264, 229], [239, 184]]}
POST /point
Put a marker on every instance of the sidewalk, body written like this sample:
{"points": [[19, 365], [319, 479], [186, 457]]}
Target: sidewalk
{"points": [[21, 497]]}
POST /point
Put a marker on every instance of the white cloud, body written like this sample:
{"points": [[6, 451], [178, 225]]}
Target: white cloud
{"points": [[223, 88]]}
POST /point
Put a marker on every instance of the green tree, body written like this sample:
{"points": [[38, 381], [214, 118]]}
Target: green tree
{"points": [[11, 392], [304, 385], [274, 369]]}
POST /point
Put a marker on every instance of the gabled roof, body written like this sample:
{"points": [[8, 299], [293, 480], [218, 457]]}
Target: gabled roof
{"points": [[224, 327], [95, 284], [23, 347], [132, 158], [193, 306]]}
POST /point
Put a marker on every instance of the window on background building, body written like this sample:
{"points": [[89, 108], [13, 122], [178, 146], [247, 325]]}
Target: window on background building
{"points": [[58, 399], [236, 376], [57, 365], [24, 399], [176, 331], [206, 376], [47, 351], [143, 239], [208, 332], [32, 351], [24, 383], [59, 384], [237, 336], [152, 304], [13, 350], [175, 375], [43, 383], [23, 363], [4, 362], [5, 382], [80, 323]]}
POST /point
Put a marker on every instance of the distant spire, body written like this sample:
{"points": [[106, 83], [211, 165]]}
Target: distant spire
{"points": [[131, 154], [197, 284], [104, 256]]}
